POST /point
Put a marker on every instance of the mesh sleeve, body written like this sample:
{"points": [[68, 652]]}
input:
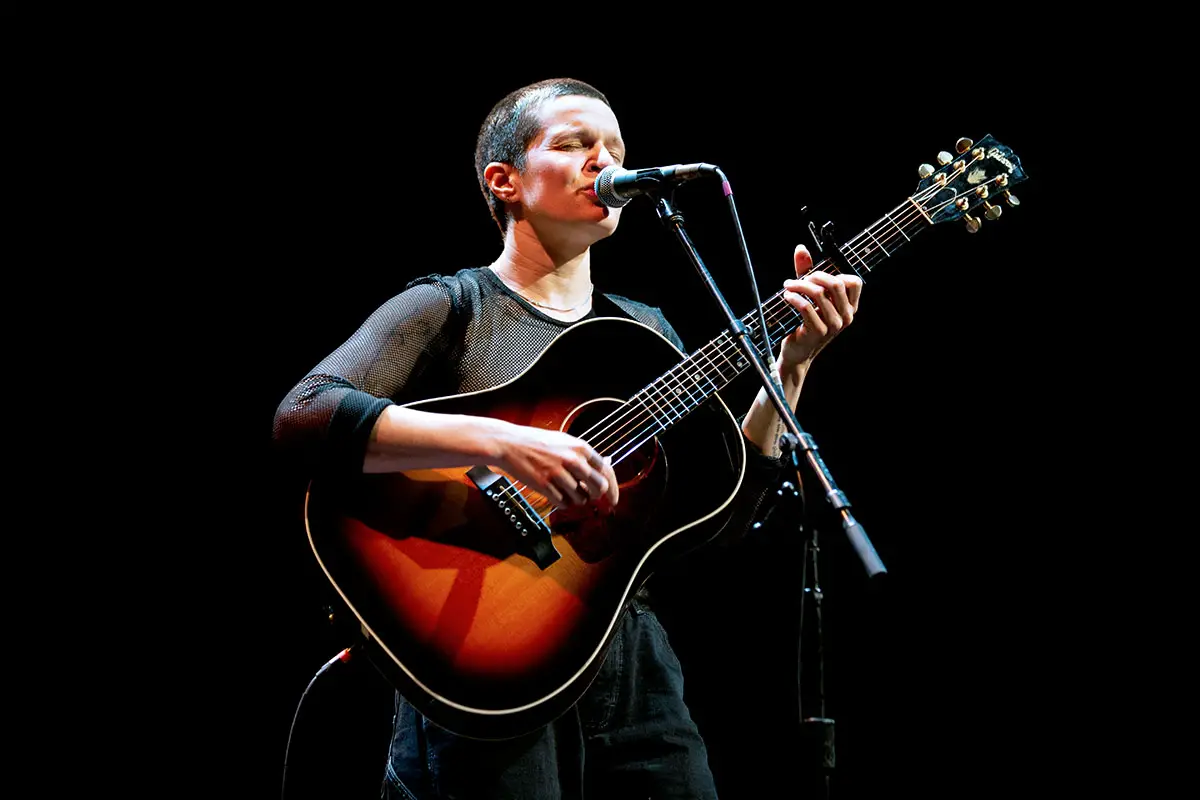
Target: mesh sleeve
{"points": [[326, 419]]}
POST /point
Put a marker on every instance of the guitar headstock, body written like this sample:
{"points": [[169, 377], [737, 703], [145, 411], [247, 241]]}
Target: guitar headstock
{"points": [[972, 186]]}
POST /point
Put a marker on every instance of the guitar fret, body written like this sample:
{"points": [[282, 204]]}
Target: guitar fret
{"points": [[650, 410], [663, 404], [669, 398], [673, 392], [704, 373], [725, 361], [693, 378], [865, 265], [902, 233], [677, 391], [873, 256], [877, 242]]}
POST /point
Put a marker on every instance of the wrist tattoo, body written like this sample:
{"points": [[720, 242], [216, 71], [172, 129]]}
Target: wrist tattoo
{"points": [[775, 450]]}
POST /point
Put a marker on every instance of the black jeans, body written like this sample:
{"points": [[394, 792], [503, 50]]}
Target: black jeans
{"points": [[630, 736]]}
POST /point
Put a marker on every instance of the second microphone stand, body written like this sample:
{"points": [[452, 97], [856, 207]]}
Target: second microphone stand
{"points": [[816, 730]]}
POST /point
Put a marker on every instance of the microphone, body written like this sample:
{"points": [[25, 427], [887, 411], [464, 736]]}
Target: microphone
{"points": [[616, 186]]}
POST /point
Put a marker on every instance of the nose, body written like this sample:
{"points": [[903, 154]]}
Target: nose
{"points": [[603, 159]]}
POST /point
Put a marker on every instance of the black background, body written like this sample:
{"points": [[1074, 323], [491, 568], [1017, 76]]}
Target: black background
{"points": [[327, 178]]}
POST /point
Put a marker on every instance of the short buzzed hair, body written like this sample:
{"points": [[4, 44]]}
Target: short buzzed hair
{"points": [[512, 124]]}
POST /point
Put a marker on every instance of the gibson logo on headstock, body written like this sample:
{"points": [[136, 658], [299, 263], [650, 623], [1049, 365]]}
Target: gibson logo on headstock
{"points": [[995, 153]]}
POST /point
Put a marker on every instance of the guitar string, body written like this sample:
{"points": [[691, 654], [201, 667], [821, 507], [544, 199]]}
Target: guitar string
{"points": [[780, 311], [657, 409], [787, 310], [662, 406], [660, 398], [706, 354], [663, 385], [784, 311]]}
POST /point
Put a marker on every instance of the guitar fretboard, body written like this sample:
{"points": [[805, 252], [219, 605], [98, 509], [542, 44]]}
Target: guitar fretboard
{"points": [[708, 370]]}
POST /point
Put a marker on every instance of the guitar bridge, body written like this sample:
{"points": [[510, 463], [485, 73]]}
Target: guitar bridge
{"points": [[533, 532]]}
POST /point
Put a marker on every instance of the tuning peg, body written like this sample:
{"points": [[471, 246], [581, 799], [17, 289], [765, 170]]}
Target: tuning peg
{"points": [[1002, 179], [963, 145], [944, 158], [925, 170], [993, 212], [964, 205], [1011, 199], [982, 192]]}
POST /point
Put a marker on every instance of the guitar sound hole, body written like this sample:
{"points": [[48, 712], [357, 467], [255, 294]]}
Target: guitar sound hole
{"points": [[640, 468], [621, 436]]}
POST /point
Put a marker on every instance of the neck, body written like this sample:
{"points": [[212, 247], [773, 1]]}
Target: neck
{"points": [[556, 276]]}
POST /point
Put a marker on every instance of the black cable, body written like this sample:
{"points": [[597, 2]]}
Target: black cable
{"points": [[737, 224], [342, 656]]}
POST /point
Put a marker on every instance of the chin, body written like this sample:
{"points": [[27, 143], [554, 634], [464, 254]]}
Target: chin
{"points": [[602, 232], [610, 221]]}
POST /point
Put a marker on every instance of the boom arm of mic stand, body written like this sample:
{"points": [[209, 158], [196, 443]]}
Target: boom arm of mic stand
{"points": [[803, 441]]}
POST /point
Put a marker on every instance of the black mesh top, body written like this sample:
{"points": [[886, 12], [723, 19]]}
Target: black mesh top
{"points": [[442, 335]]}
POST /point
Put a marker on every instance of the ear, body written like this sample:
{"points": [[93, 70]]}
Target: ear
{"points": [[503, 181]]}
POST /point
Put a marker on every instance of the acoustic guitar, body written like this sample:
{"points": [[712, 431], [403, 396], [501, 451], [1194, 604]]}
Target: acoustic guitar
{"points": [[489, 608]]}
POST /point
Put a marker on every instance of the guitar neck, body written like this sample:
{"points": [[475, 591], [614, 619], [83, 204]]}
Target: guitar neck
{"points": [[708, 370]]}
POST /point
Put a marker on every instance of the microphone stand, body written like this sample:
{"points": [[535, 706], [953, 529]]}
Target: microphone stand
{"points": [[816, 732], [818, 728]]}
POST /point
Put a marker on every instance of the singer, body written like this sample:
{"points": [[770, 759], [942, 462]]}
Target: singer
{"points": [[538, 154]]}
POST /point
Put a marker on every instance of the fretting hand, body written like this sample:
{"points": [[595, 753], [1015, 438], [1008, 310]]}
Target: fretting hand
{"points": [[834, 302]]}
